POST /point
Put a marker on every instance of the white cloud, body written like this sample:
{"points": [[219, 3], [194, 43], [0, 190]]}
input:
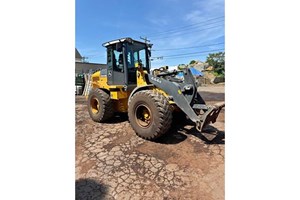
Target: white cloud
{"points": [[194, 16], [158, 21], [203, 10]]}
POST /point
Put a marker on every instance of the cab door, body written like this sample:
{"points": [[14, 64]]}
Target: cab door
{"points": [[115, 68]]}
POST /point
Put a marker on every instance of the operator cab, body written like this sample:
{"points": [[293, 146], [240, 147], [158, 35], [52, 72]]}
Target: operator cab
{"points": [[123, 55]]}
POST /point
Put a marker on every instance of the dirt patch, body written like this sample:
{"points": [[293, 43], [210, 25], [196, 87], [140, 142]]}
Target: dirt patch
{"points": [[159, 151], [79, 145], [221, 117], [86, 166], [209, 96]]}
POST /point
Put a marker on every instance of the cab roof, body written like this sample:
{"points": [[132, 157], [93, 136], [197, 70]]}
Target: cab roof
{"points": [[128, 39]]}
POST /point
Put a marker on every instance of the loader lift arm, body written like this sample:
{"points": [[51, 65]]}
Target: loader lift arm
{"points": [[187, 98]]}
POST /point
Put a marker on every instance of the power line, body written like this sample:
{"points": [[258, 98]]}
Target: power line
{"points": [[188, 47], [181, 27], [145, 39], [191, 56], [193, 53], [185, 29], [174, 35]]}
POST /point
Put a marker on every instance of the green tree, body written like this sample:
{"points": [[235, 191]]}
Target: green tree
{"points": [[192, 62], [217, 60], [181, 66]]}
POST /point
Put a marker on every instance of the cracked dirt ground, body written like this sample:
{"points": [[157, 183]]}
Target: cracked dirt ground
{"points": [[113, 163]]}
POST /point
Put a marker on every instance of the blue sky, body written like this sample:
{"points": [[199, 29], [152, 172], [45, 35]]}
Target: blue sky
{"points": [[180, 30]]}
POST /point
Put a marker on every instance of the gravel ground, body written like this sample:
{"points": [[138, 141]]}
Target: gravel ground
{"points": [[113, 163]]}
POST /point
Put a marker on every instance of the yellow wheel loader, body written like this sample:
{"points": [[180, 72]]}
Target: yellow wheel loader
{"points": [[150, 99]]}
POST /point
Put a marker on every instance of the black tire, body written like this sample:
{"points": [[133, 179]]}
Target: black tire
{"points": [[100, 105], [149, 114]]}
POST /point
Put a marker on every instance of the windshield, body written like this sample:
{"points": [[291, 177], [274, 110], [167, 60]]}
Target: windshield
{"points": [[137, 53]]}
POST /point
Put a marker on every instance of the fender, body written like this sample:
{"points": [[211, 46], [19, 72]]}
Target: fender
{"points": [[139, 89]]}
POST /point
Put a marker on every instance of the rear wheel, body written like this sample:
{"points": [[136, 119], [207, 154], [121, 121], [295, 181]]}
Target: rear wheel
{"points": [[149, 114], [100, 106]]}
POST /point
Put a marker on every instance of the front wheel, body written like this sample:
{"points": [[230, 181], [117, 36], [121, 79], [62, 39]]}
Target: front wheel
{"points": [[149, 114]]}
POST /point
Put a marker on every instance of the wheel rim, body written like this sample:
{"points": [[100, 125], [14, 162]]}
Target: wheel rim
{"points": [[143, 116], [95, 106]]}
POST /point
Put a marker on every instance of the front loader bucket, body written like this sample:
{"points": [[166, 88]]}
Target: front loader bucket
{"points": [[210, 115]]}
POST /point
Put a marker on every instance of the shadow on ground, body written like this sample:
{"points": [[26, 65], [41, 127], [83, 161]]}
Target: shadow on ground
{"points": [[210, 135], [178, 133], [118, 118], [171, 137], [88, 189]]}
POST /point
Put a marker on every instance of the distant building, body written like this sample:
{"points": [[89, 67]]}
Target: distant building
{"points": [[78, 57], [85, 67]]}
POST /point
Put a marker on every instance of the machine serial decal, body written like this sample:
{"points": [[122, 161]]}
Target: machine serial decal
{"points": [[155, 79]]}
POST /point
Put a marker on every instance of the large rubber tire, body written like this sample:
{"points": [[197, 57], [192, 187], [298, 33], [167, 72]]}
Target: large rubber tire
{"points": [[100, 105], [149, 114]]}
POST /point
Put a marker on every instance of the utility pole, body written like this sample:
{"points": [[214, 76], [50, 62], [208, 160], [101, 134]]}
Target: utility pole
{"points": [[147, 42], [84, 59], [145, 38]]}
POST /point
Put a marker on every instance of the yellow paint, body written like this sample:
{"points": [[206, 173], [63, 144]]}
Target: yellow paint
{"points": [[116, 91], [114, 95], [95, 105], [98, 81], [164, 93], [140, 77], [136, 64], [101, 82], [118, 95]]}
